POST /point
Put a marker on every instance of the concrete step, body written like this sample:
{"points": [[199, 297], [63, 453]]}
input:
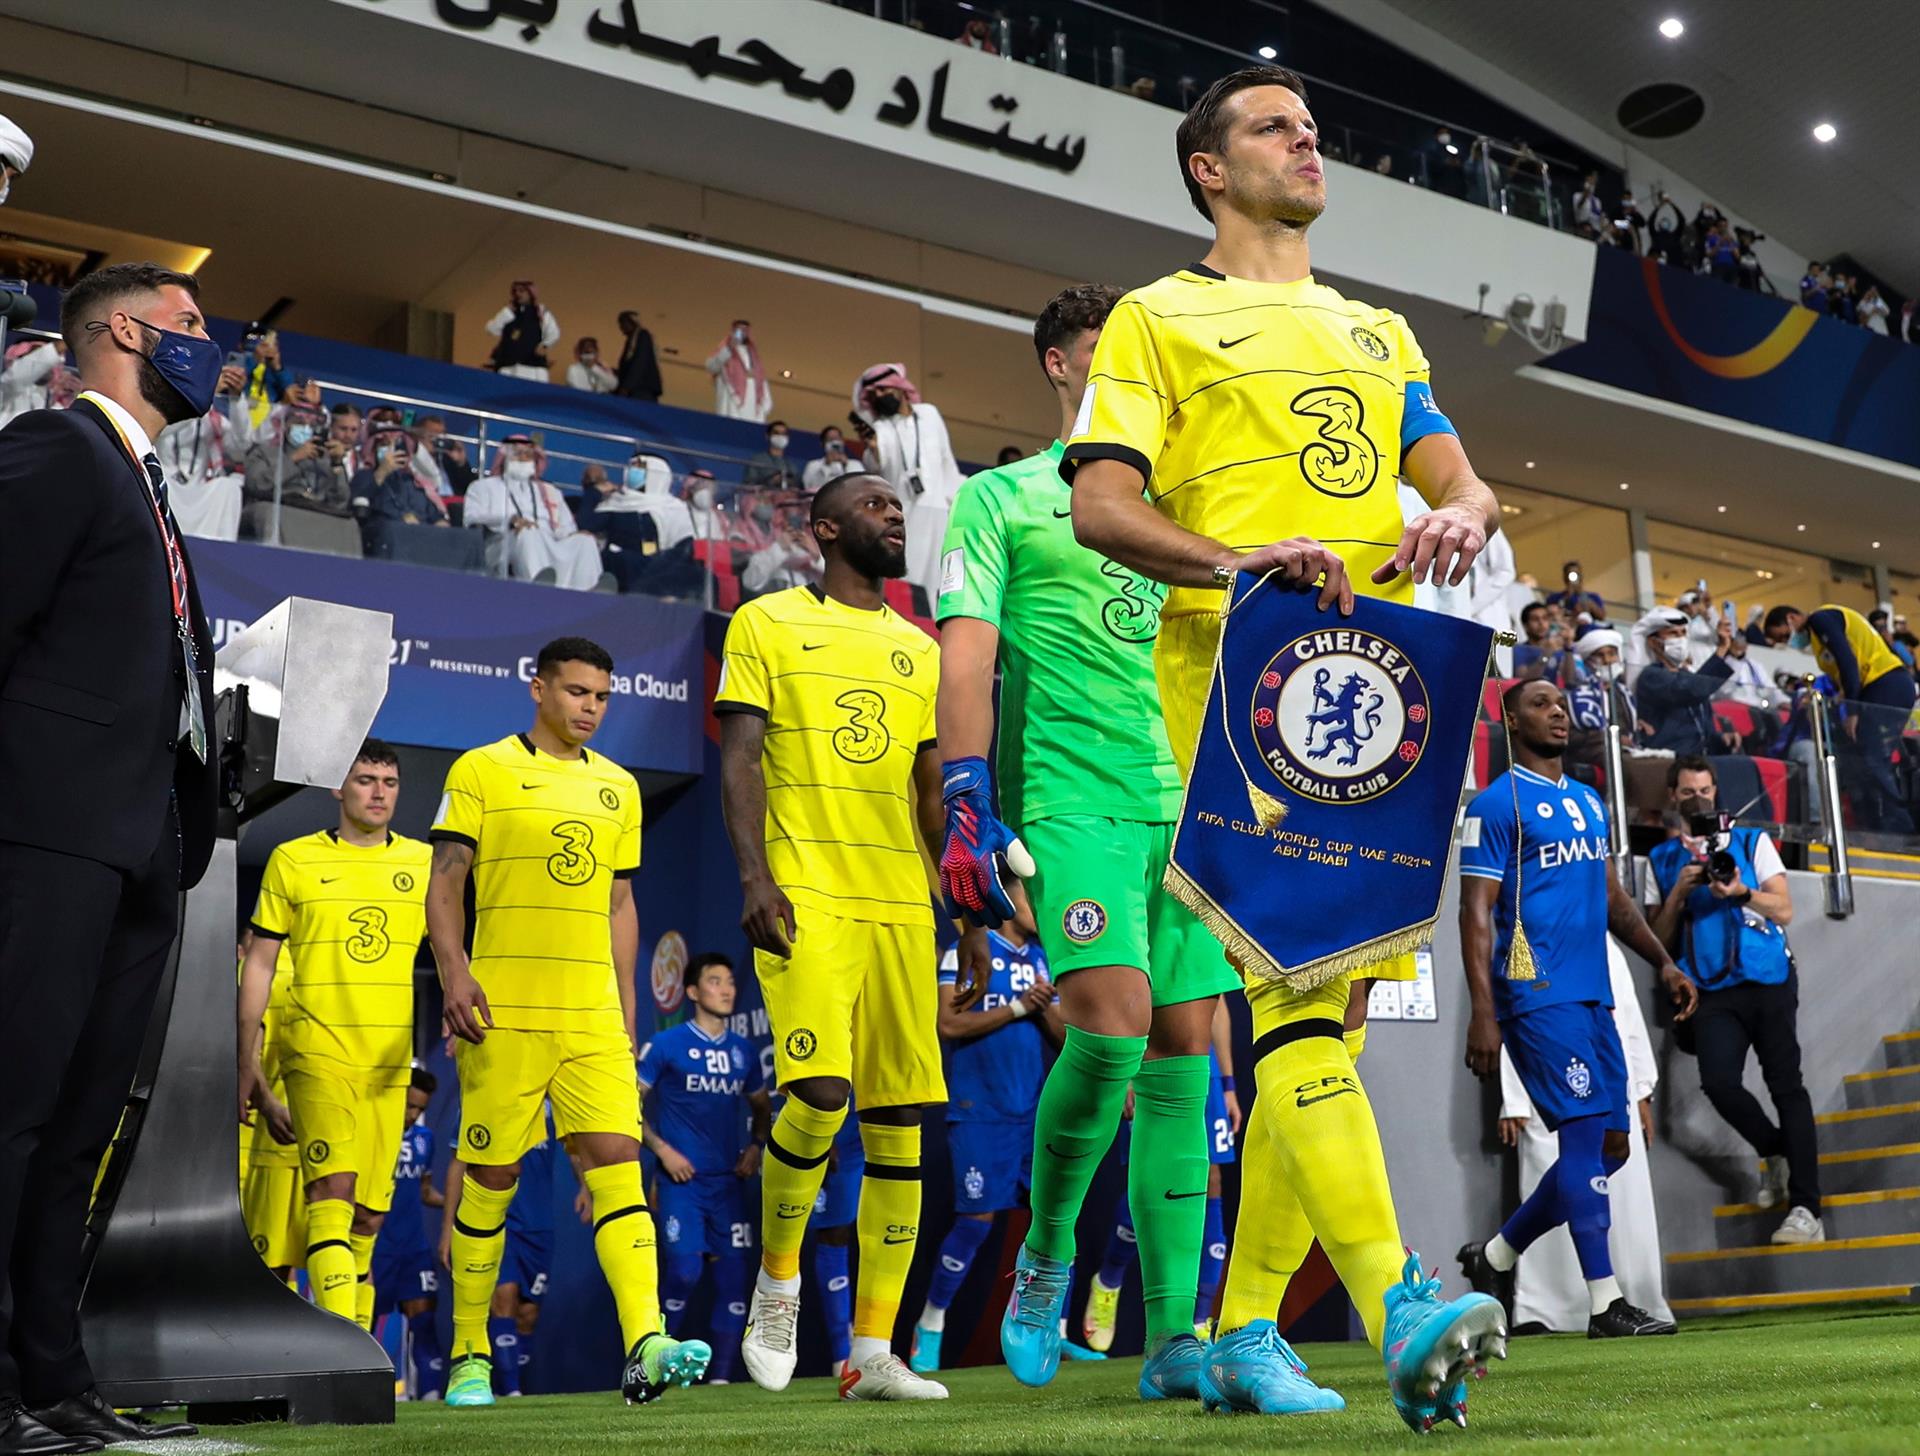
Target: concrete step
{"points": [[1882, 1089], [1846, 1215], [1902, 1049], [1869, 1127], [1870, 1170], [1795, 1269], [1798, 1299]]}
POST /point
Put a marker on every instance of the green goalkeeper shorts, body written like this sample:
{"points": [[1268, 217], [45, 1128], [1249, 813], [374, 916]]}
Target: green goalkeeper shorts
{"points": [[1098, 901]]}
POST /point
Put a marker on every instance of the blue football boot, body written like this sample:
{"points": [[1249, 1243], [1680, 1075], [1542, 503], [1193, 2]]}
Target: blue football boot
{"points": [[1253, 1369], [1173, 1371], [1429, 1346], [1030, 1329]]}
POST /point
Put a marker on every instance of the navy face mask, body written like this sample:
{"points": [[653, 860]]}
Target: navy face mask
{"points": [[190, 365]]}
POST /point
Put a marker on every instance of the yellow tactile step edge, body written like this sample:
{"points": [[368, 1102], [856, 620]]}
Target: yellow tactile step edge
{"points": [[1799, 1296], [1830, 1246], [1830, 1200]]}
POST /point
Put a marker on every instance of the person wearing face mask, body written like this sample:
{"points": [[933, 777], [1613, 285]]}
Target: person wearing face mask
{"points": [[1675, 701], [106, 663], [1599, 697], [526, 329], [773, 467], [835, 460], [587, 372], [1878, 688], [740, 389], [393, 493], [645, 531], [439, 460], [705, 514], [16, 155], [530, 530], [912, 451], [288, 462]]}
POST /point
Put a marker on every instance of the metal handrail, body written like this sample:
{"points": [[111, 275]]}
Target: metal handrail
{"points": [[1836, 884]]}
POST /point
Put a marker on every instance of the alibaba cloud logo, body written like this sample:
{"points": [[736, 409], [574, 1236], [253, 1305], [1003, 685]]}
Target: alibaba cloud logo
{"points": [[1770, 353]]}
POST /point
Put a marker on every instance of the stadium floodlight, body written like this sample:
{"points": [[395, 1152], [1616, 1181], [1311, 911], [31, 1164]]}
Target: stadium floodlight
{"points": [[1672, 28], [1268, 53], [1824, 132]]}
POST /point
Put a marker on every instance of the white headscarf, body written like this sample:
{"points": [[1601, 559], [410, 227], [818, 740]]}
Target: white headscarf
{"points": [[16, 147], [1589, 643], [1638, 654]]}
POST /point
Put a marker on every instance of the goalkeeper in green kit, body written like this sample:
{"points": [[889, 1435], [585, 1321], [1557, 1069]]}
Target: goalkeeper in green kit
{"points": [[1088, 786]]}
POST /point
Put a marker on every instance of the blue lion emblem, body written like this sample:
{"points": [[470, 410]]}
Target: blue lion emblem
{"points": [[1341, 714]]}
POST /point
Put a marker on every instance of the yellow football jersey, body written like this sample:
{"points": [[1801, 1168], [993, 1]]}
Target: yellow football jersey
{"points": [[351, 919], [848, 698], [1260, 411], [549, 837]]}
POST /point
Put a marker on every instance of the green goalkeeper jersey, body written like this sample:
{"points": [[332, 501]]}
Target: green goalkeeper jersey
{"points": [[1080, 725]]}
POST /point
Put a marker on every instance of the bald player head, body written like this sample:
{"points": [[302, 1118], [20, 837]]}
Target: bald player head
{"points": [[857, 519]]}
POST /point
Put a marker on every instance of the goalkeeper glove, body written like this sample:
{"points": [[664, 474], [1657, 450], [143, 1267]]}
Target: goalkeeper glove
{"points": [[969, 858]]}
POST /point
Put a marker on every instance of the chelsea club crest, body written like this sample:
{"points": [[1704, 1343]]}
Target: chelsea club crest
{"points": [[1340, 715]]}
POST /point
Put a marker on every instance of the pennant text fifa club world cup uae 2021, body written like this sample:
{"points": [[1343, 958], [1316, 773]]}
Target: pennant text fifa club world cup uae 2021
{"points": [[1318, 822]]}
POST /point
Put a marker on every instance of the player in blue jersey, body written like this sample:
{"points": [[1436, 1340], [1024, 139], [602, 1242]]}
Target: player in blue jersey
{"points": [[834, 1227], [996, 1038], [1535, 873], [406, 1276], [706, 1089], [525, 1263]]}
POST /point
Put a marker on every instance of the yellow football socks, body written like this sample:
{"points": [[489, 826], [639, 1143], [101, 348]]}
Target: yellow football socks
{"points": [[889, 1226], [363, 1278], [479, 1239], [790, 1179], [330, 1255], [624, 1241]]}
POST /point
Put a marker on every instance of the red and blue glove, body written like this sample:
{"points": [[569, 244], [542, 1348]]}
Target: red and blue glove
{"points": [[976, 841]]}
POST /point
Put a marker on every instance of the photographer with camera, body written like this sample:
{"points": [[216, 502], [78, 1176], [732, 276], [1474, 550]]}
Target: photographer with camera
{"points": [[1724, 911]]}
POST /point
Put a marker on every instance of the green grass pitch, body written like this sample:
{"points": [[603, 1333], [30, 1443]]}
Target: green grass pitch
{"points": [[1844, 1381]]}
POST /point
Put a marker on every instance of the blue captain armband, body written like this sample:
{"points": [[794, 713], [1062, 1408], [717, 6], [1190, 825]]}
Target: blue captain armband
{"points": [[1420, 416]]}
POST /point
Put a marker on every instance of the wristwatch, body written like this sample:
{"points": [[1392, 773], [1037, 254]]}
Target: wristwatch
{"points": [[1223, 576]]}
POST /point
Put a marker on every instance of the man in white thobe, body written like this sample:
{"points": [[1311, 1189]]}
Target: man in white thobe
{"points": [[531, 533]]}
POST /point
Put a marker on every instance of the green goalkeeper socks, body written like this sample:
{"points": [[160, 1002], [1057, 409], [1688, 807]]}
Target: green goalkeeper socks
{"points": [[1079, 1113], [1167, 1188]]}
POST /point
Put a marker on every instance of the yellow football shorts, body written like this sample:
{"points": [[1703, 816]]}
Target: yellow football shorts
{"points": [[347, 1125], [274, 1205], [1183, 667], [857, 1000], [588, 1075]]}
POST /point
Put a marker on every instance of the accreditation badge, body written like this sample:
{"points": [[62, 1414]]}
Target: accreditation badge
{"points": [[1317, 829]]}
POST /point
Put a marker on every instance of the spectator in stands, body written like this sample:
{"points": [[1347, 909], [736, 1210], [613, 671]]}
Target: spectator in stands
{"points": [[1909, 321], [341, 442], [1630, 224], [790, 557], [913, 452], [1705, 221], [1673, 698], [1598, 696], [440, 461], [1665, 226], [1588, 214], [531, 532], [1542, 650], [1702, 628], [267, 380], [644, 530], [1720, 254], [294, 460], [835, 460], [1008, 455], [1871, 676], [202, 460], [1725, 919], [773, 467], [1446, 167], [27, 380], [1873, 311], [638, 370], [709, 519], [587, 372], [977, 35], [740, 389], [526, 329], [16, 155], [392, 492], [1749, 683], [1881, 620], [1573, 598], [1813, 287], [1841, 302]]}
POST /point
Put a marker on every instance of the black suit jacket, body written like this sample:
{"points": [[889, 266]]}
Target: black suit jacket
{"points": [[90, 673]]}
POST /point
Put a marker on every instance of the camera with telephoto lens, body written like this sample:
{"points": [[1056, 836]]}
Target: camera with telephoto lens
{"points": [[1722, 868]]}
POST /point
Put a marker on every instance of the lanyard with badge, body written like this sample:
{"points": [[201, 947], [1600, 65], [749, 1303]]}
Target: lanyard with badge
{"points": [[193, 724]]}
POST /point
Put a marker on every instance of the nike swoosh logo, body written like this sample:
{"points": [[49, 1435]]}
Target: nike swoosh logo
{"points": [[1053, 1152], [329, 881], [1063, 515], [1325, 1097], [811, 646], [1171, 1195], [529, 786], [1229, 343], [782, 1213], [907, 1239]]}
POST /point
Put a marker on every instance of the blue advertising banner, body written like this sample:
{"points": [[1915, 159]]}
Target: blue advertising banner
{"points": [[1694, 341], [1318, 820], [463, 647]]}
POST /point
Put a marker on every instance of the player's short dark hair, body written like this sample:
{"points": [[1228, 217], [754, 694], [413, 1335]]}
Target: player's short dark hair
{"points": [[698, 966], [424, 1081], [826, 500], [571, 649], [378, 750], [1689, 763], [1204, 127], [1777, 617], [97, 294], [1069, 314], [1510, 697]]}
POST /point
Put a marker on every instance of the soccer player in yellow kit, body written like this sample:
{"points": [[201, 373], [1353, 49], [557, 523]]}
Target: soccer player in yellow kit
{"points": [[1240, 417], [544, 1008], [826, 702], [345, 909], [273, 1204]]}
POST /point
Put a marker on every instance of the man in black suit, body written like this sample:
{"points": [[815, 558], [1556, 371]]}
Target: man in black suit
{"points": [[638, 370], [107, 792]]}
